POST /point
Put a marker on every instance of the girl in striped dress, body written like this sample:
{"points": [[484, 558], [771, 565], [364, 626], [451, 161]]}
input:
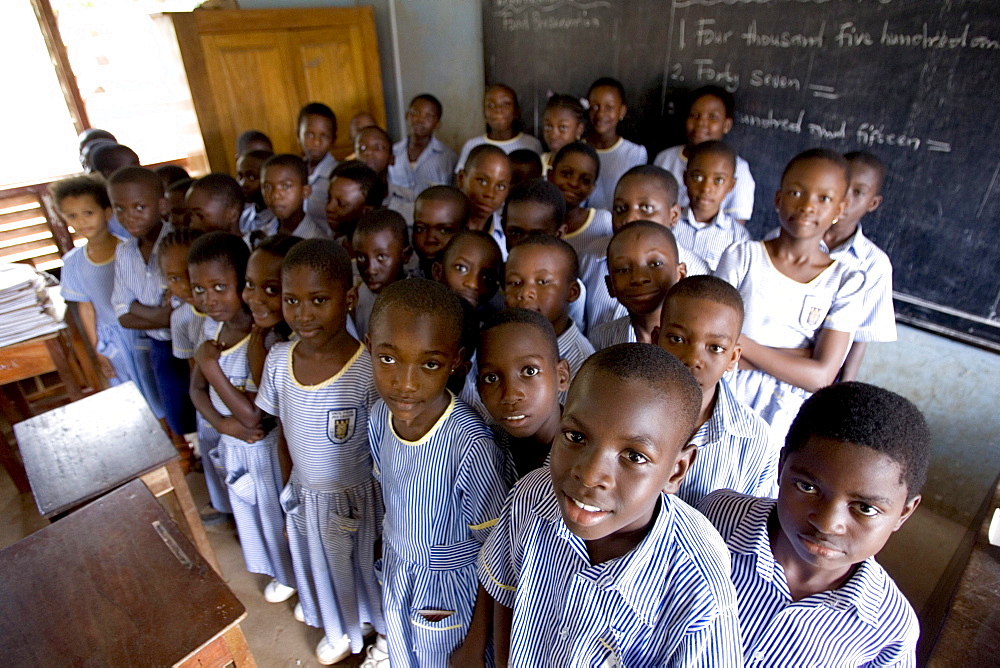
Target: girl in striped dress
{"points": [[503, 125], [575, 169], [223, 391], [618, 155], [441, 474], [320, 387]]}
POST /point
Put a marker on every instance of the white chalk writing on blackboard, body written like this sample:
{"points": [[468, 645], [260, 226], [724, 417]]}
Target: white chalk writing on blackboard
{"points": [[539, 15], [681, 4], [784, 39]]}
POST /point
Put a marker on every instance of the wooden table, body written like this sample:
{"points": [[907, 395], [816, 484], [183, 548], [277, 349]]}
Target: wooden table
{"points": [[77, 452], [116, 584], [40, 355]]}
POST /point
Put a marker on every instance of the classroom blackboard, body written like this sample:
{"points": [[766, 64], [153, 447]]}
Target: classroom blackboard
{"points": [[913, 81]]}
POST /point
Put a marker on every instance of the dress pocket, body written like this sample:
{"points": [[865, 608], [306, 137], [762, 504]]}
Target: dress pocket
{"points": [[241, 486]]}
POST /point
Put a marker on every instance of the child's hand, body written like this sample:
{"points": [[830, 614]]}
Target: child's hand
{"points": [[208, 351], [165, 299], [230, 426], [106, 367]]}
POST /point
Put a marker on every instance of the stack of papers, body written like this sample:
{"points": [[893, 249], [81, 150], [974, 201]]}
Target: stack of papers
{"points": [[29, 307]]}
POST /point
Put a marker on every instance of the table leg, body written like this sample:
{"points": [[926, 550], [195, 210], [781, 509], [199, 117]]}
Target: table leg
{"points": [[58, 355], [190, 512]]}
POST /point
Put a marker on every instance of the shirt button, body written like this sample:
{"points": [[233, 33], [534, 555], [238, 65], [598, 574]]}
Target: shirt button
{"points": [[608, 582]]}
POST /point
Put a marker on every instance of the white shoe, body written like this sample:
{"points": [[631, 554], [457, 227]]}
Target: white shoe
{"points": [[376, 658], [300, 616], [366, 630], [275, 592], [328, 653], [382, 644]]}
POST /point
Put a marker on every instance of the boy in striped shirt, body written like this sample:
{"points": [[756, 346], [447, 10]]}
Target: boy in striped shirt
{"points": [[593, 562], [810, 591]]}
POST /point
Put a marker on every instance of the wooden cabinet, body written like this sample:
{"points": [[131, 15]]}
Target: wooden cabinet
{"points": [[254, 69]]}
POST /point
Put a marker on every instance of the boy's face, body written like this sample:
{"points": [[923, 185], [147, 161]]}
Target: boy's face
{"points": [[359, 123], [838, 503], [422, 119], [643, 198], [472, 271], [703, 334], [485, 183], [811, 198], [85, 215], [139, 207], [709, 178], [499, 109], [215, 289], [346, 203], [210, 213], [178, 213], [575, 176], [316, 136], [262, 289], [862, 194], [560, 127], [373, 149], [523, 218], [435, 222], [248, 176], [613, 458], [283, 190], [642, 266], [537, 278], [707, 120], [413, 355], [606, 110], [381, 257], [519, 379], [314, 306], [174, 265]]}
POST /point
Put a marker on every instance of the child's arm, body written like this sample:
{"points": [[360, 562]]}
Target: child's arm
{"points": [[224, 425], [256, 353], [853, 362], [240, 403], [503, 619], [88, 319], [809, 373], [140, 316], [473, 649]]}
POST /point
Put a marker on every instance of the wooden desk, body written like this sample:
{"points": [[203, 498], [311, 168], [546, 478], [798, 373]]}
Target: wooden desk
{"points": [[77, 452], [116, 584], [40, 355]]}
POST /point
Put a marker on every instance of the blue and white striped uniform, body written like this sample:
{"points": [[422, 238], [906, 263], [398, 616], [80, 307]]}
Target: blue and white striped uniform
{"points": [[738, 203], [187, 326], [252, 220], [84, 280], [435, 166], [311, 227], [442, 496], [522, 140], [496, 231], [709, 240], [363, 310], [736, 450], [319, 179], [667, 602], [608, 334], [333, 505], [253, 478], [865, 622], [597, 226], [615, 161], [137, 280], [784, 313], [575, 349], [208, 437]]}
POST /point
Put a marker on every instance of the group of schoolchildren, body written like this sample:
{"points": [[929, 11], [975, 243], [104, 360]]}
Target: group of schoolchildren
{"points": [[521, 406]]}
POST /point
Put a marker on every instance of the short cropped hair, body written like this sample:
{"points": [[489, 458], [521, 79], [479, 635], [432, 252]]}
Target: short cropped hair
{"points": [[648, 225], [80, 186], [870, 416], [484, 151], [447, 194], [249, 137], [567, 103], [277, 244], [293, 162], [181, 186], [483, 237], [538, 191], [582, 149], [657, 370], [366, 178], [664, 179], [378, 220], [180, 236], [609, 82], [723, 95], [523, 316], [259, 154], [326, 257], [229, 249], [221, 187], [172, 174], [710, 289], [139, 176], [109, 158], [820, 154], [427, 97], [869, 160], [93, 134], [558, 245], [713, 147], [419, 296], [375, 128], [317, 109]]}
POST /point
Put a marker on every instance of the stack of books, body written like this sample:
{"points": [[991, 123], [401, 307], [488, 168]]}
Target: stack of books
{"points": [[30, 305]]}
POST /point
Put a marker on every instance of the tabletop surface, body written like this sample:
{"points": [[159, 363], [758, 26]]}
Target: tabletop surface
{"points": [[79, 451], [115, 583]]}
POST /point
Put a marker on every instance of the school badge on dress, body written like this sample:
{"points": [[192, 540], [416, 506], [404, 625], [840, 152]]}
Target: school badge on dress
{"points": [[813, 313], [340, 424]]}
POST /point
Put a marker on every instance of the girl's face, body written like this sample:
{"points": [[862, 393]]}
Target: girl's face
{"points": [[262, 289], [216, 290], [560, 127], [314, 306], [811, 197], [499, 109], [173, 264], [575, 176], [707, 120], [606, 110]]}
